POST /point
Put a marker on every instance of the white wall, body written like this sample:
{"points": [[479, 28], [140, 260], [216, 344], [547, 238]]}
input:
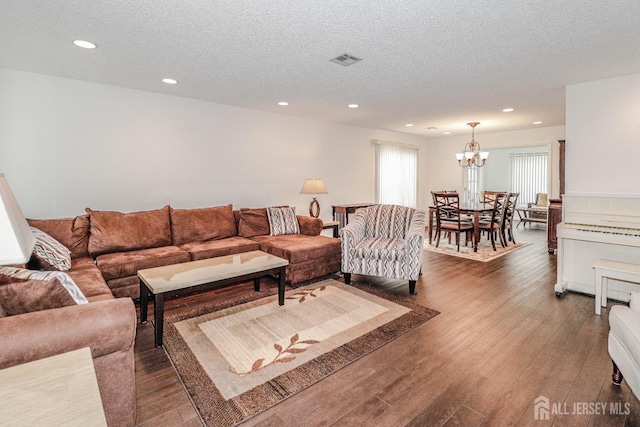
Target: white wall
{"points": [[443, 176], [66, 145], [603, 139]]}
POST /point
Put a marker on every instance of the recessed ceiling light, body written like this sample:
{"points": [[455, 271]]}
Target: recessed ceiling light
{"points": [[447, 133], [537, 123], [170, 81], [283, 103], [507, 110], [84, 44], [353, 105], [409, 125]]}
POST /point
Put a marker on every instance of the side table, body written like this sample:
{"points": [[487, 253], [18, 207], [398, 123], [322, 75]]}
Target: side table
{"points": [[57, 390], [331, 224]]}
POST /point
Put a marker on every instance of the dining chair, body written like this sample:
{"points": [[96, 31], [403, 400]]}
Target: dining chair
{"points": [[490, 196], [448, 217], [493, 225], [507, 222]]}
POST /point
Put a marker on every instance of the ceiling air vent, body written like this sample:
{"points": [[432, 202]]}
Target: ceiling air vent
{"points": [[345, 60]]}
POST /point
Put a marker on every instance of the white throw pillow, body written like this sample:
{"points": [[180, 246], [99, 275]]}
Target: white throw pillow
{"points": [[283, 221], [50, 254]]}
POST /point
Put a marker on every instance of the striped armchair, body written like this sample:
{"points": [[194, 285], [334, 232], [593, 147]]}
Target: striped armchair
{"points": [[386, 241]]}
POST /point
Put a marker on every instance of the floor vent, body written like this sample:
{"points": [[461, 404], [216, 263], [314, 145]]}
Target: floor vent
{"points": [[345, 60]]}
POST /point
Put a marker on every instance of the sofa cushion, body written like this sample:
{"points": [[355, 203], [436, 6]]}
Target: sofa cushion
{"points": [[380, 248], [50, 254], [282, 220], [122, 264], [117, 232], [253, 222], [24, 291], [200, 225], [71, 232], [216, 248], [298, 248]]}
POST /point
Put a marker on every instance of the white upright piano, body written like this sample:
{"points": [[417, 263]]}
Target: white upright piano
{"points": [[596, 227]]}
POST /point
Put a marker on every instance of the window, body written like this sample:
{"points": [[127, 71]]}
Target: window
{"points": [[528, 176], [396, 174], [471, 183]]}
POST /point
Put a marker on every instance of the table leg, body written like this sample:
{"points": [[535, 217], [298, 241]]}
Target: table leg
{"points": [[158, 313], [476, 230], [281, 286], [144, 302], [256, 284]]}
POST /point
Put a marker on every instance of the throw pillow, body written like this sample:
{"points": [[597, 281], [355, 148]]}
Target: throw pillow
{"points": [[253, 222], [24, 291], [49, 253], [283, 221]]}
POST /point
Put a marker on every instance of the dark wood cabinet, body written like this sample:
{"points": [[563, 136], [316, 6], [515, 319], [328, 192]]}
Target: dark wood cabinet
{"points": [[554, 217]]}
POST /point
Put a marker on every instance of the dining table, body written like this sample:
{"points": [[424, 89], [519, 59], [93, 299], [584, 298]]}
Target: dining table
{"points": [[473, 209]]}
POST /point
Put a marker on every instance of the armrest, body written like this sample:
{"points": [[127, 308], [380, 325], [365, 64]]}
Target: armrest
{"points": [[104, 326], [354, 232], [309, 225]]}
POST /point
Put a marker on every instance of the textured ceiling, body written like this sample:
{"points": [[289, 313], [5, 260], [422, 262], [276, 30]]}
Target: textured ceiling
{"points": [[430, 63]]}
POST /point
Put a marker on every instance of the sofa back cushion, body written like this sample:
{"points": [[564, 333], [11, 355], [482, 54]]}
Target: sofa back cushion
{"points": [[200, 225], [71, 232], [119, 232], [253, 222], [388, 221]]}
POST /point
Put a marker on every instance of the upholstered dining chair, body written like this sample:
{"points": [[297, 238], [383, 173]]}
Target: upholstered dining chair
{"points": [[507, 221], [493, 225], [385, 241], [448, 219]]}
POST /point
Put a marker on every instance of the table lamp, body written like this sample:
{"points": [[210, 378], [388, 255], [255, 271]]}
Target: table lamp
{"points": [[16, 239], [314, 186]]}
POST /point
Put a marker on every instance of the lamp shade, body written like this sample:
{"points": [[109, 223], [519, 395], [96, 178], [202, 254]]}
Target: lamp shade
{"points": [[314, 186], [16, 239]]}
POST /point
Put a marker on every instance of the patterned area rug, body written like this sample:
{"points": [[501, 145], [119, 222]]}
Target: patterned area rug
{"points": [[238, 361], [485, 250]]}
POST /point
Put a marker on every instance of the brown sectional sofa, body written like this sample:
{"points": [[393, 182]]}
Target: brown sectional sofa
{"points": [[122, 244], [108, 248]]}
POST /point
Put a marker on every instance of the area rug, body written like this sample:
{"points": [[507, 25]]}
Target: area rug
{"points": [[485, 251], [238, 361]]}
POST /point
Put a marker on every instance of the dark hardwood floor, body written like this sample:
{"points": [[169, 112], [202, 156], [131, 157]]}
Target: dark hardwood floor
{"points": [[502, 340]]}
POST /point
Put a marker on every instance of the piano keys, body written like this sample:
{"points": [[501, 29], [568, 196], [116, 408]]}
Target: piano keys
{"points": [[596, 227]]}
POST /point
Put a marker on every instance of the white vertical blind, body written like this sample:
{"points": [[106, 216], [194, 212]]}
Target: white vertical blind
{"points": [[396, 174], [528, 176]]}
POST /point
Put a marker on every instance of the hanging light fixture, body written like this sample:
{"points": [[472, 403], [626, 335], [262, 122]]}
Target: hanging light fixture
{"points": [[472, 156]]}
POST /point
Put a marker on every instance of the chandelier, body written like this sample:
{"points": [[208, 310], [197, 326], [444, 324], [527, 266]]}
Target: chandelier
{"points": [[472, 156]]}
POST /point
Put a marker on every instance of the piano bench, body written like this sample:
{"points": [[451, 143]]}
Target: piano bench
{"points": [[605, 270]]}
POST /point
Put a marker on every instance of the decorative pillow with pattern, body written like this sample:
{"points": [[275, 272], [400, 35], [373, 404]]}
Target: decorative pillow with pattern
{"points": [[49, 253], [24, 291], [283, 221]]}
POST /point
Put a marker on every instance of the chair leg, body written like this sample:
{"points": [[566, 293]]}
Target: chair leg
{"points": [[412, 287], [616, 376], [347, 278], [511, 235]]}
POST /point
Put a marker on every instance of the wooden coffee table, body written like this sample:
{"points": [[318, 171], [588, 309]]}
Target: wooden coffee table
{"points": [[195, 276]]}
